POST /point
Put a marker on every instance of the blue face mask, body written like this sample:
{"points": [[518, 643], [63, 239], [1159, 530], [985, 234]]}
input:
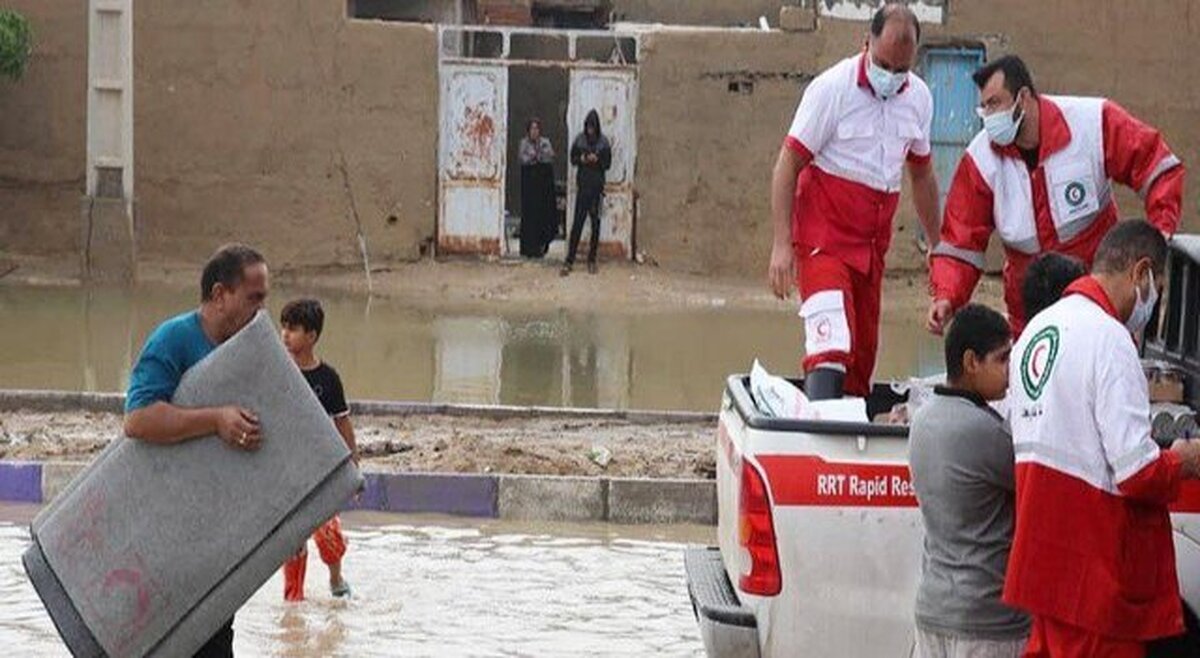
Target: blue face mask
{"points": [[885, 83], [1002, 127]]}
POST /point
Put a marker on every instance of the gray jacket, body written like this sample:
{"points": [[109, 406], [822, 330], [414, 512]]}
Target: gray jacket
{"points": [[961, 458]]}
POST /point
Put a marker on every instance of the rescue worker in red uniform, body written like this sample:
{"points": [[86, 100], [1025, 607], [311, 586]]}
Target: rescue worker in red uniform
{"points": [[835, 190], [1093, 558], [1040, 175]]}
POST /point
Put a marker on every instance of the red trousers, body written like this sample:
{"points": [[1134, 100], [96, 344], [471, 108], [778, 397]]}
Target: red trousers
{"points": [[331, 545], [840, 307], [1050, 638]]}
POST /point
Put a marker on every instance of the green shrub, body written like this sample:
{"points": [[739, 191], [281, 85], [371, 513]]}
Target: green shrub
{"points": [[16, 44]]}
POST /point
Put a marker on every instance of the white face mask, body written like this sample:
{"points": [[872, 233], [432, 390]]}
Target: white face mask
{"points": [[1002, 126], [1142, 308], [885, 83]]}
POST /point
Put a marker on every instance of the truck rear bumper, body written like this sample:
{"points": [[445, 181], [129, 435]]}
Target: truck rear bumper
{"points": [[729, 629]]}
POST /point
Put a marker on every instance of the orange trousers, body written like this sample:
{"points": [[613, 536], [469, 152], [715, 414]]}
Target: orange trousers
{"points": [[331, 544]]}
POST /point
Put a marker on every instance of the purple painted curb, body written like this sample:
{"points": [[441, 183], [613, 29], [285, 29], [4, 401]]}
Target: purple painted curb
{"points": [[373, 496], [440, 493], [421, 493], [21, 482], [426, 493]]}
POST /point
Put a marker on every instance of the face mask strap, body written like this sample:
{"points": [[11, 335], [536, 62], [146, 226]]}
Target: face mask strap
{"points": [[1017, 104], [1143, 307], [1137, 280]]}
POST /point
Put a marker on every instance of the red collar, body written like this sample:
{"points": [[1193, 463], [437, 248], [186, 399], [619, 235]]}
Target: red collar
{"points": [[865, 82], [1053, 132], [1089, 287]]}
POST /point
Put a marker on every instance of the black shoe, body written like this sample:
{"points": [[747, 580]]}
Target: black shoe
{"points": [[824, 384], [565, 271], [592, 269]]}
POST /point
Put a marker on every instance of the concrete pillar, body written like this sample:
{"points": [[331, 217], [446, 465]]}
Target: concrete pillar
{"points": [[107, 215]]}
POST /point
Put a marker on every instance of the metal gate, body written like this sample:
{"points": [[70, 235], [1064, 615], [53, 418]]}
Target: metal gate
{"points": [[613, 94], [948, 71], [472, 158], [473, 109]]}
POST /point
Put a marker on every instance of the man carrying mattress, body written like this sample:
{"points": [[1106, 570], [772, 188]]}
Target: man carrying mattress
{"points": [[233, 288]]}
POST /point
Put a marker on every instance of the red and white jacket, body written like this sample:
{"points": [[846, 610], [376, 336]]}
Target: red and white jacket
{"points": [[858, 145], [1093, 545], [1064, 205]]}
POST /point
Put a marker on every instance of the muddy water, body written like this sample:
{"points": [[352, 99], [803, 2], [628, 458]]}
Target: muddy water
{"points": [[441, 587], [79, 339]]}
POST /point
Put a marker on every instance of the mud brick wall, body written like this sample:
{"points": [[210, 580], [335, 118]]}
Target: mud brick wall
{"points": [[290, 126]]}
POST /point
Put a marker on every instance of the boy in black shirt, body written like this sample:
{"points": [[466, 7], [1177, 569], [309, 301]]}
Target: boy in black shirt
{"points": [[302, 321]]}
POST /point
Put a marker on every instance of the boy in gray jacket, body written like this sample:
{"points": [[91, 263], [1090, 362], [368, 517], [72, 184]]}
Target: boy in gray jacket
{"points": [[961, 458]]}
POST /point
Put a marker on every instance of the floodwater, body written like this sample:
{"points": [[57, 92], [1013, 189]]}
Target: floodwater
{"points": [[85, 339], [444, 587]]}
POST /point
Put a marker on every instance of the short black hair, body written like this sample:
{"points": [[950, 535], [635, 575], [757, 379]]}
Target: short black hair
{"points": [[304, 313], [887, 12], [1127, 243], [1016, 74], [1047, 278], [227, 267], [976, 328]]}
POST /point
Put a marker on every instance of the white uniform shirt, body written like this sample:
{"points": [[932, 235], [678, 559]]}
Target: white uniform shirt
{"points": [[1079, 400], [855, 135]]}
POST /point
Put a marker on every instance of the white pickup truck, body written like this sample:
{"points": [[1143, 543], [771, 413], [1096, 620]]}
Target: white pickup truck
{"points": [[818, 528]]}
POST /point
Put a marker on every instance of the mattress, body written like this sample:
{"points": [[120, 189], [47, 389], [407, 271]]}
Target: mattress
{"points": [[152, 548]]}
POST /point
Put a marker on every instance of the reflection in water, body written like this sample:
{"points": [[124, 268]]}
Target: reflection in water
{"points": [[86, 339], [321, 634], [492, 589], [467, 367]]}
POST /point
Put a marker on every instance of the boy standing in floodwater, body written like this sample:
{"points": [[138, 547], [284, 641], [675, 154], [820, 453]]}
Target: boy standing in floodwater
{"points": [[302, 321]]}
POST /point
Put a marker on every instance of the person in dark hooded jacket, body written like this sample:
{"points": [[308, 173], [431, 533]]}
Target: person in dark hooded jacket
{"points": [[592, 156]]}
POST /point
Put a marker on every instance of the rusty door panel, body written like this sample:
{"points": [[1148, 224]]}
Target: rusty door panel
{"points": [[472, 158], [613, 94]]}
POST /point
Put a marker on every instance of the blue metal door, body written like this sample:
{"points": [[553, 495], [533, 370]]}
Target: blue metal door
{"points": [[948, 71]]}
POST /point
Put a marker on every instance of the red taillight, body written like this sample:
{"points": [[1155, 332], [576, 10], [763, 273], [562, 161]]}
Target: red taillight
{"points": [[756, 535]]}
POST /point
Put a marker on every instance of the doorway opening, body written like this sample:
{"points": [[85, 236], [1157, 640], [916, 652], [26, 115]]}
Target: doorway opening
{"points": [[486, 99], [542, 93]]}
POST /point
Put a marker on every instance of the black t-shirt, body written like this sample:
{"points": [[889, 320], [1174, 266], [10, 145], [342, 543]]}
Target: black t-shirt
{"points": [[1031, 157], [327, 385]]}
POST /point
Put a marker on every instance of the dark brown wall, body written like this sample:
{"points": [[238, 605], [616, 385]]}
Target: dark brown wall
{"points": [[246, 114], [43, 125], [705, 155]]}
